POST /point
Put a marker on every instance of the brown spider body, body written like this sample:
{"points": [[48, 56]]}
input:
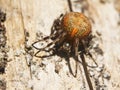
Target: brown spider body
{"points": [[72, 28], [70, 35], [76, 24]]}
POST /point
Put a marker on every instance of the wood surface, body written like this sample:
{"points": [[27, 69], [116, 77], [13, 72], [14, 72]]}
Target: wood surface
{"points": [[32, 16]]}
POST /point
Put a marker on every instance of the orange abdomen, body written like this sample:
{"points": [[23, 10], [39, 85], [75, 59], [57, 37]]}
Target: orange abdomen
{"points": [[76, 24]]}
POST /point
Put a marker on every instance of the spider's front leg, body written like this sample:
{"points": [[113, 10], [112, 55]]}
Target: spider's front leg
{"points": [[48, 47], [44, 39], [56, 27], [75, 51], [56, 33]]}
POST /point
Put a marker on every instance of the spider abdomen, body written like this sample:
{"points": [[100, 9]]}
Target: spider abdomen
{"points": [[76, 24]]}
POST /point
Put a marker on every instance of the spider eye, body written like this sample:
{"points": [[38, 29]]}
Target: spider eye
{"points": [[67, 44]]}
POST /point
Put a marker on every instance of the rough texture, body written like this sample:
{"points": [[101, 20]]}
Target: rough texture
{"points": [[24, 23]]}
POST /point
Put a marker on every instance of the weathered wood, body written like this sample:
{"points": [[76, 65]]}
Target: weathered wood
{"points": [[32, 16]]}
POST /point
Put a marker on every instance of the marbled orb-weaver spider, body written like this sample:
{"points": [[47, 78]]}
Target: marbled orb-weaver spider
{"points": [[70, 35]]}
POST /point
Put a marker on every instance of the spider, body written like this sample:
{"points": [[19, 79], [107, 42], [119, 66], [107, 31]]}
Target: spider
{"points": [[71, 37]]}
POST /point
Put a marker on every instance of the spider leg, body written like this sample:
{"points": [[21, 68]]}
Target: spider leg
{"points": [[44, 56], [56, 24], [86, 71], [76, 44], [70, 69], [92, 59], [60, 38], [54, 31], [69, 65], [86, 51], [45, 38]]}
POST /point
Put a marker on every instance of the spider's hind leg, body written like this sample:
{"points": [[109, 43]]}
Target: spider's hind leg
{"points": [[86, 52], [90, 55]]}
